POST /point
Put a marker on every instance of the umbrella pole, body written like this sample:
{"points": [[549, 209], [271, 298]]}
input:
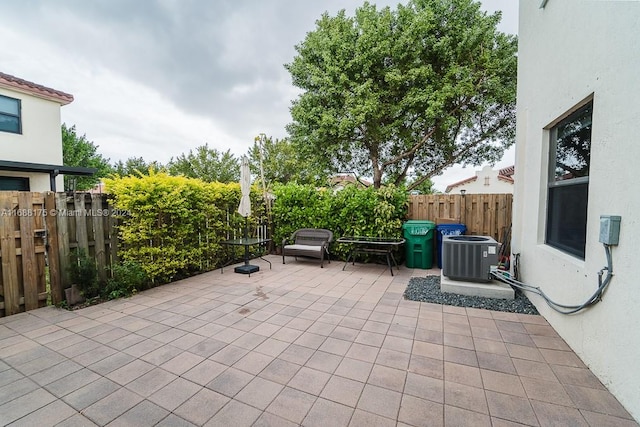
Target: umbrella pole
{"points": [[246, 236], [246, 268]]}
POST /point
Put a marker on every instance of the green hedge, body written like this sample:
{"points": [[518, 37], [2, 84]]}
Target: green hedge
{"points": [[174, 224], [348, 212]]}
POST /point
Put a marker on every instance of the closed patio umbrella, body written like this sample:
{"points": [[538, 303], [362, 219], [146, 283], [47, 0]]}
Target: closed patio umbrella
{"points": [[244, 209], [245, 187]]}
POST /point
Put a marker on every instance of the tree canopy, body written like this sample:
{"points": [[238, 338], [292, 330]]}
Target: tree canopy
{"points": [[282, 163], [135, 166], [79, 151], [389, 92], [208, 164]]}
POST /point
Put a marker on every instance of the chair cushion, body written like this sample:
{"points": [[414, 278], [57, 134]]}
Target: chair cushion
{"points": [[303, 248]]}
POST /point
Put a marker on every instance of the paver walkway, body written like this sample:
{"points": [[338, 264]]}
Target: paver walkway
{"points": [[294, 345]]}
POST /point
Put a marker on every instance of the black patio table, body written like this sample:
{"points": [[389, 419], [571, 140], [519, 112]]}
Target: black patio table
{"points": [[364, 245]]}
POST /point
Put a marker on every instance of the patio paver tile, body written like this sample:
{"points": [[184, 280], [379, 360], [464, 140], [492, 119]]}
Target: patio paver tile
{"points": [[466, 397], [309, 380], [271, 420], [272, 347], [502, 383], [174, 394], [383, 376], [91, 393], [363, 352], [297, 354], [458, 417], [130, 372], [602, 420], [111, 363], [56, 372], [259, 393], [292, 405], [419, 412], [511, 408], [324, 413], [380, 401], [151, 382], [325, 362], [253, 362], [71, 382], [108, 408], [424, 387], [362, 418], [51, 414], [16, 389], [280, 371], [342, 390], [235, 414], [554, 415], [230, 382], [144, 413], [596, 400], [354, 369], [203, 405]]}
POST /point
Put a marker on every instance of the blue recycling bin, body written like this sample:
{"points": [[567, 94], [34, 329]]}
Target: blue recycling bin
{"points": [[447, 230]]}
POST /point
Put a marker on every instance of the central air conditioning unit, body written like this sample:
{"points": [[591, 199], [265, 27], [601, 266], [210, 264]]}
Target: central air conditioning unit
{"points": [[469, 258]]}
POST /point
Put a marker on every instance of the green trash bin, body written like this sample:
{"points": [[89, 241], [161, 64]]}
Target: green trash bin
{"points": [[419, 243]]}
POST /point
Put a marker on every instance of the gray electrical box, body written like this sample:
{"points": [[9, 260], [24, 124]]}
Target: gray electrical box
{"points": [[609, 229]]}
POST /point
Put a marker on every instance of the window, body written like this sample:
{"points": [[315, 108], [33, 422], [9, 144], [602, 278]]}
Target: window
{"points": [[10, 183], [570, 149], [10, 115]]}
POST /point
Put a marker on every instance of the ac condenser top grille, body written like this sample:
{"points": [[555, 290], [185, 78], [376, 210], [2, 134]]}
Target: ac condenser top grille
{"points": [[469, 258]]}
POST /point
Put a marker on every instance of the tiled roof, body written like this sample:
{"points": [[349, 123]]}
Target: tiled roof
{"points": [[456, 184], [508, 171], [505, 174], [24, 86]]}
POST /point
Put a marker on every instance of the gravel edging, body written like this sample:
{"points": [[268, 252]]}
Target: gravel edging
{"points": [[427, 289]]}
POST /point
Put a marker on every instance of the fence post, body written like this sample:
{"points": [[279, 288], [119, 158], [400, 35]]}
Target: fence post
{"points": [[10, 279], [53, 248], [28, 253], [63, 237], [98, 236]]}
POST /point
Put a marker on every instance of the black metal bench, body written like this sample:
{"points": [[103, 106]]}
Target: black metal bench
{"points": [[308, 242]]}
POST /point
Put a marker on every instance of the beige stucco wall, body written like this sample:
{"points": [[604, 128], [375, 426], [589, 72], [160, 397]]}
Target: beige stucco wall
{"points": [[568, 51], [40, 141], [479, 186]]}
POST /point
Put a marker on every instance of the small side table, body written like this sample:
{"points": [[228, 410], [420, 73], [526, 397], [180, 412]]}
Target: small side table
{"points": [[246, 243]]}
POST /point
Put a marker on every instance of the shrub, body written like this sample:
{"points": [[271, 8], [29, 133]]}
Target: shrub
{"points": [[173, 224], [348, 212], [83, 273], [127, 278]]}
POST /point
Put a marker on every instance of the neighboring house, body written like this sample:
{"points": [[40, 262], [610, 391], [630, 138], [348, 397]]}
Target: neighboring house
{"points": [[340, 181], [486, 181], [31, 136], [578, 130]]}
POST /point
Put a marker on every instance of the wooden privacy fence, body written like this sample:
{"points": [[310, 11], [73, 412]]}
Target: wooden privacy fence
{"points": [[483, 214], [40, 230]]}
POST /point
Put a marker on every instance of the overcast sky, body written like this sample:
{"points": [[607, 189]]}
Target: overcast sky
{"points": [[157, 78]]}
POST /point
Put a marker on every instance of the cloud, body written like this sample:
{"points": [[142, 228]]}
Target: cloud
{"points": [[156, 78]]}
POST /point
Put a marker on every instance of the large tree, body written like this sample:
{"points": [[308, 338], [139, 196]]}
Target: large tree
{"points": [[79, 151], [282, 163], [413, 90], [206, 163]]}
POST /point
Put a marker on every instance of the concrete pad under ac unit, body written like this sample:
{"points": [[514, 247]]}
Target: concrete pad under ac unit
{"points": [[492, 289]]}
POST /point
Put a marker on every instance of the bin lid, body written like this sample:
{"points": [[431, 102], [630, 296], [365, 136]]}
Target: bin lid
{"points": [[418, 227], [451, 227]]}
